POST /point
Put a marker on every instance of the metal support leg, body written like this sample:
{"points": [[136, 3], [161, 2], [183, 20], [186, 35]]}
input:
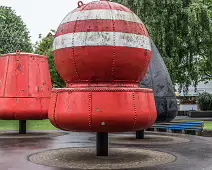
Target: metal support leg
{"points": [[22, 126], [140, 134], [102, 144]]}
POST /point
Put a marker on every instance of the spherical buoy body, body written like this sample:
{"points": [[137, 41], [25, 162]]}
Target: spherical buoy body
{"points": [[102, 42], [25, 87], [102, 51]]}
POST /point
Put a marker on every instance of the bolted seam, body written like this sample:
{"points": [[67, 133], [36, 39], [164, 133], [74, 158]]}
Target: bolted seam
{"points": [[73, 58], [90, 109], [135, 110], [114, 45], [54, 112], [105, 90]]}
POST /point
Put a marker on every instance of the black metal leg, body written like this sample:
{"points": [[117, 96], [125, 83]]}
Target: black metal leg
{"points": [[140, 134], [22, 126], [102, 144]]}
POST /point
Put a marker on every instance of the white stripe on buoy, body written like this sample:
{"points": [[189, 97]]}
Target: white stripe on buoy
{"points": [[82, 39], [101, 15]]}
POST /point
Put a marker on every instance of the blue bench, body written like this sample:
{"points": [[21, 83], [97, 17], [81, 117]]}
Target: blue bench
{"points": [[193, 128]]}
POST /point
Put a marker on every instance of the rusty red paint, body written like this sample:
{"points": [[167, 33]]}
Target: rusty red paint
{"points": [[22, 74], [3, 65], [95, 64], [102, 75], [120, 109], [102, 26], [106, 6]]}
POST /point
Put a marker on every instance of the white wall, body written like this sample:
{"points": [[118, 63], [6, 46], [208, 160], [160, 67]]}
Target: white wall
{"points": [[200, 88], [188, 107]]}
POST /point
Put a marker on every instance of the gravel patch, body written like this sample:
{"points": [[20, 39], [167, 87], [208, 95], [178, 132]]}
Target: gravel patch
{"points": [[85, 158]]}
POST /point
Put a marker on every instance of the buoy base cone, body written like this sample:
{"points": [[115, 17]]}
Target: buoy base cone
{"points": [[102, 109]]}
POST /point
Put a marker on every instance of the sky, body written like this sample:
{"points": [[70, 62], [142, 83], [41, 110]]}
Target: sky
{"points": [[41, 16]]}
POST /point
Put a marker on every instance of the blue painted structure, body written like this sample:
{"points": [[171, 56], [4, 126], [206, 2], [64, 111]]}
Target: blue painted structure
{"points": [[182, 127]]}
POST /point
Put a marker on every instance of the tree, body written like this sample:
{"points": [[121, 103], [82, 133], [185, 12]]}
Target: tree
{"points": [[182, 31], [205, 68], [45, 47], [205, 101], [206, 61], [13, 32]]}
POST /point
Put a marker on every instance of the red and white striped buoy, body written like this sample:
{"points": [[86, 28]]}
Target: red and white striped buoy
{"points": [[102, 41], [102, 50]]}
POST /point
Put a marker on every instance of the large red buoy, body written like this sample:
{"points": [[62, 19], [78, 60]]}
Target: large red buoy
{"points": [[25, 87], [102, 51]]}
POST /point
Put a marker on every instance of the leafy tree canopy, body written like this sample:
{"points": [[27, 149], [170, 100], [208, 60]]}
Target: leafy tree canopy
{"points": [[45, 47], [13, 32], [182, 31], [205, 101]]}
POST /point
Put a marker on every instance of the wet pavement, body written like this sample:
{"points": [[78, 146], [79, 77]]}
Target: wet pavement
{"points": [[193, 155]]}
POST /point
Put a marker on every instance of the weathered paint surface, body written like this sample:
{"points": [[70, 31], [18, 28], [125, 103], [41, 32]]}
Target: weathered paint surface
{"points": [[3, 73], [119, 26], [25, 86], [102, 51], [102, 34], [92, 64], [102, 109], [158, 79], [102, 14], [101, 39]]}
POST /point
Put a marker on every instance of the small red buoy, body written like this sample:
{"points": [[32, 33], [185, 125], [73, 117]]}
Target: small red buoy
{"points": [[25, 86]]}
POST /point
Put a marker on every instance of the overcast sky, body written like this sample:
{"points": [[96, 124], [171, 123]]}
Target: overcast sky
{"points": [[41, 16]]}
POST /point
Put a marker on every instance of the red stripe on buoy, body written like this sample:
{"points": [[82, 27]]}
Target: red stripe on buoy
{"points": [[105, 5], [102, 26]]}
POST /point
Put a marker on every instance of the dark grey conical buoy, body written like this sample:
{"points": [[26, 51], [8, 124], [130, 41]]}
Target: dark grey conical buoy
{"points": [[158, 79]]}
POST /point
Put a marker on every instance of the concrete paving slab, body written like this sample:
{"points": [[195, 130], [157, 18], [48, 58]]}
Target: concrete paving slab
{"points": [[193, 155]]}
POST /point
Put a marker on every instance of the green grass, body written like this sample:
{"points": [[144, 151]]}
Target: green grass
{"points": [[31, 125], [187, 120], [207, 125], [46, 125]]}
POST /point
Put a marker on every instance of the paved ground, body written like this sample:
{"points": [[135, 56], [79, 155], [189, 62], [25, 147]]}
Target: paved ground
{"points": [[14, 153]]}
